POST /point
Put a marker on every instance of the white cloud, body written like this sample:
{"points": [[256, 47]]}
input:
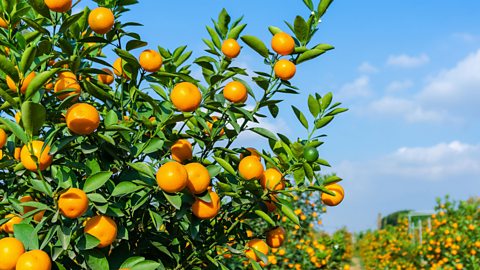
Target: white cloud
{"points": [[465, 37], [397, 86], [366, 67], [360, 87], [407, 61]]}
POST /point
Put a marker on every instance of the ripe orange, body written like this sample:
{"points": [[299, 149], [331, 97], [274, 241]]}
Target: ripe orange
{"points": [[103, 228], [67, 74], [8, 226], [172, 177], [150, 60], [59, 5], [3, 23], [18, 117], [337, 198], [10, 250], [284, 69], [283, 43], [186, 97], [204, 210], [250, 168], [230, 48], [34, 260], [106, 78], [39, 215], [272, 180], [276, 237], [43, 158], [82, 118], [101, 20], [210, 126], [252, 151], [181, 150], [198, 178], [3, 138], [258, 245], [16, 154], [235, 92], [23, 82], [67, 83], [73, 203], [118, 68]]}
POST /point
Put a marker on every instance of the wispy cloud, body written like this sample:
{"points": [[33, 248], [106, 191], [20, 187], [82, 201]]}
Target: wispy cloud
{"points": [[407, 61], [360, 87], [398, 86], [366, 67]]}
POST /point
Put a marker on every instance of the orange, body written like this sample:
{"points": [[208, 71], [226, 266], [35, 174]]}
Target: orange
{"points": [[252, 151], [23, 83], [34, 260], [181, 150], [284, 69], [118, 68], [250, 168], [10, 250], [205, 210], [106, 78], [101, 20], [276, 237], [3, 138], [39, 215], [18, 117], [230, 48], [258, 245], [8, 226], [150, 60], [198, 178], [337, 198], [59, 5], [67, 74], [67, 83], [3, 23], [235, 92], [103, 228], [16, 154], [172, 177], [43, 158], [73, 203], [283, 43], [210, 126], [186, 97], [82, 119], [272, 180]]}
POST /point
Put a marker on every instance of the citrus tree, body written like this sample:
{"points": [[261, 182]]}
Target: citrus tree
{"points": [[132, 163]]}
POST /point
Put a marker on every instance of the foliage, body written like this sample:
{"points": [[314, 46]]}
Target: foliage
{"points": [[116, 164]]}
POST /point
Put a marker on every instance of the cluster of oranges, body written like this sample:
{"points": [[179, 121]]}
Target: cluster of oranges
{"points": [[449, 241]]}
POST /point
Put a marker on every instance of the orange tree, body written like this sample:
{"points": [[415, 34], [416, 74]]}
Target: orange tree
{"points": [[132, 164]]}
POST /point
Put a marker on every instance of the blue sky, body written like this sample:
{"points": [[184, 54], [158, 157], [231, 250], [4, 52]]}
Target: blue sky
{"points": [[408, 70]]}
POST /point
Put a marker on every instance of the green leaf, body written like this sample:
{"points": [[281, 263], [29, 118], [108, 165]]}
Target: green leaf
{"points": [[96, 181], [39, 81], [132, 261], [324, 47], [33, 117], [289, 213], [146, 265], [40, 7], [128, 57], [299, 176], [301, 29], [7, 97], [323, 6], [274, 30], [332, 179], [124, 188], [265, 133], [256, 44], [87, 241], [223, 21], [135, 44], [313, 106], [309, 4], [27, 59], [16, 129], [69, 22], [96, 91], [300, 116], [96, 260], [308, 55], [142, 168], [58, 145], [41, 186], [225, 165], [236, 31], [265, 216], [323, 121], [26, 234], [308, 171], [337, 111], [326, 100], [174, 199], [215, 38], [9, 69]]}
